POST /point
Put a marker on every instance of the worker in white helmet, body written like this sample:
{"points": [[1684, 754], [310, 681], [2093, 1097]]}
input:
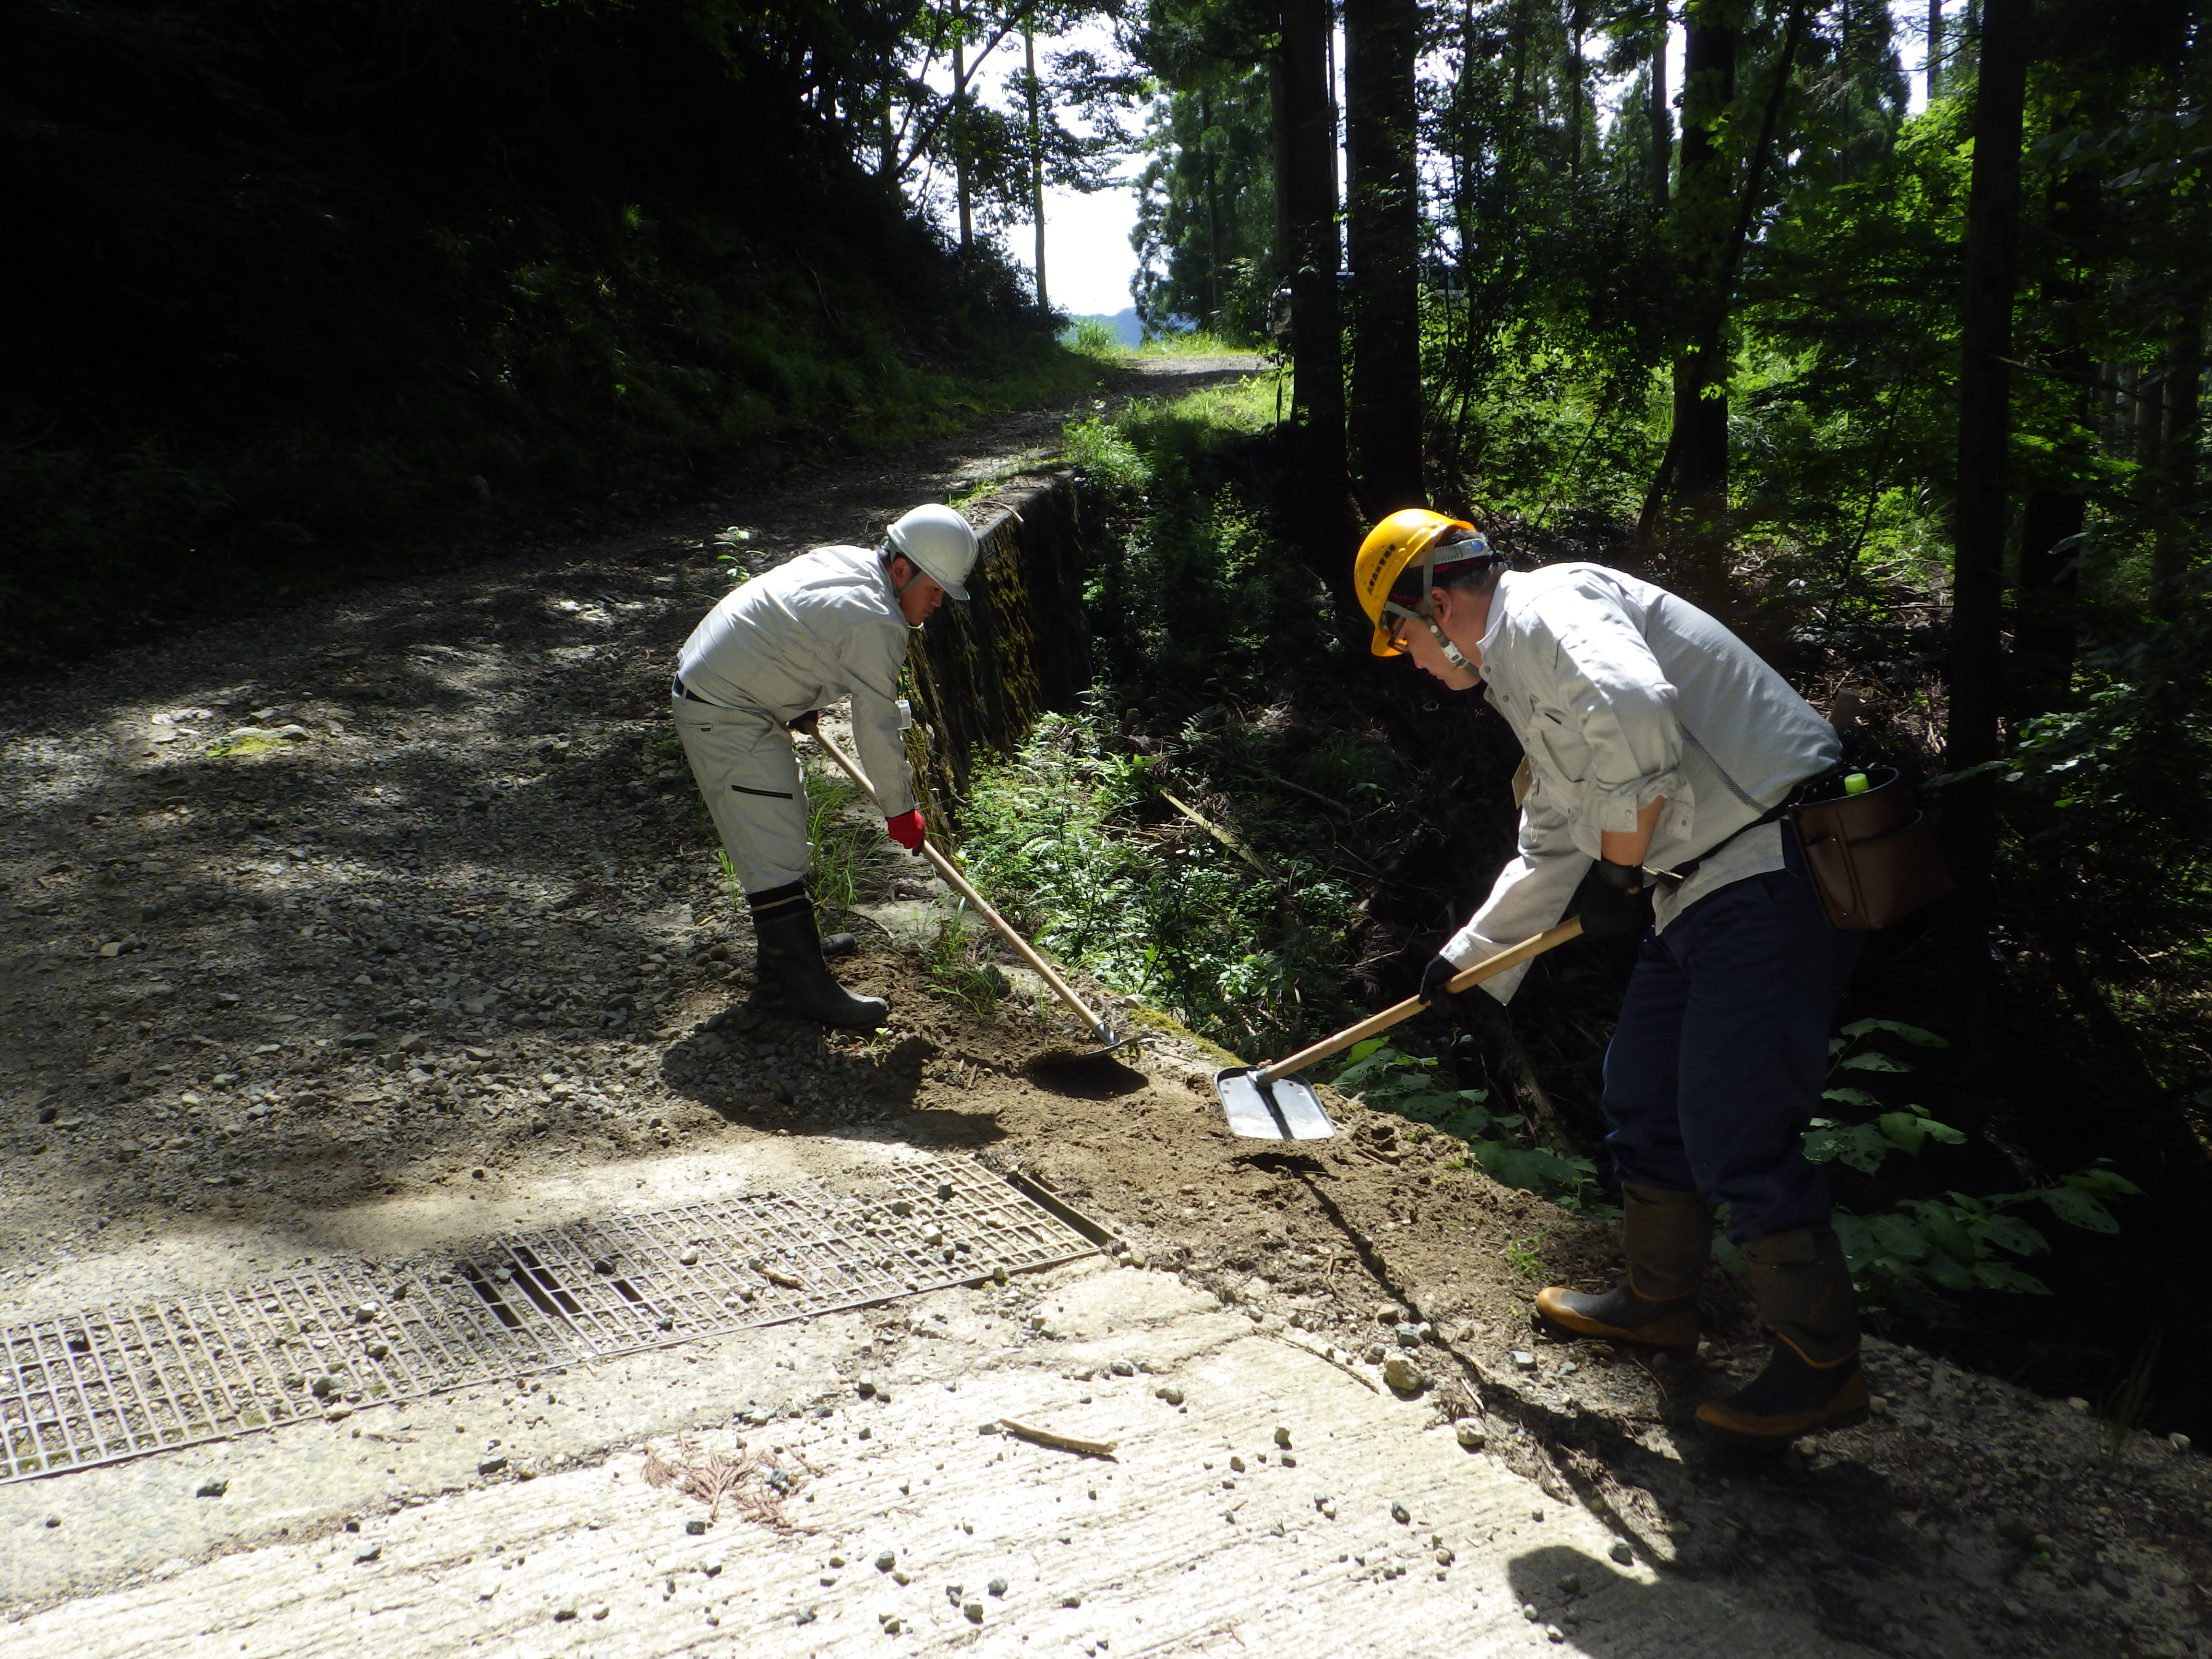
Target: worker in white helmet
{"points": [[832, 623]]}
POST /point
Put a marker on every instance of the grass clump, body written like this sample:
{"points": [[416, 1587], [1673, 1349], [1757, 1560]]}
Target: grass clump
{"points": [[847, 840], [1095, 338], [1190, 343], [954, 966]]}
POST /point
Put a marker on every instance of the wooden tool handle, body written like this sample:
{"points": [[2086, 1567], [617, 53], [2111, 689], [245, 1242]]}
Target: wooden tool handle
{"points": [[961, 885], [1398, 1013]]}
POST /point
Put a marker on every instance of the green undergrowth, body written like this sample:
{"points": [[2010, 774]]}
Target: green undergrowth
{"points": [[1920, 1253], [1095, 338], [1235, 930], [955, 966], [1189, 342], [1061, 830]]}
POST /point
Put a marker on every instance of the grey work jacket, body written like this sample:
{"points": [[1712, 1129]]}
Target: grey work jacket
{"points": [[802, 635], [1622, 693]]}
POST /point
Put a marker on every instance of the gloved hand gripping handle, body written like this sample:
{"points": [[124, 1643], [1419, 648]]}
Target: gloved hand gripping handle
{"points": [[1512, 957]]}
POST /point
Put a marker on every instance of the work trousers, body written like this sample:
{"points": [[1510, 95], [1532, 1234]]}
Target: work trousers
{"points": [[746, 768], [1721, 1049]]}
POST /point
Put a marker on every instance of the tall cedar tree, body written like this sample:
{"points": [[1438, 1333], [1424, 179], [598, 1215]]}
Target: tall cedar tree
{"points": [[1305, 124], [1382, 38]]}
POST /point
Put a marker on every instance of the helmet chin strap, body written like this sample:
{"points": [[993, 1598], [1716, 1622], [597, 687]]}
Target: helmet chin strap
{"points": [[1420, 613], [1453, 654], [891, 551]]}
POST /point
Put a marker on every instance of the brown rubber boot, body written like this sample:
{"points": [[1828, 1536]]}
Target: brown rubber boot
{"points": [[1666, 1237], [1812, 1381], [789, 964]]}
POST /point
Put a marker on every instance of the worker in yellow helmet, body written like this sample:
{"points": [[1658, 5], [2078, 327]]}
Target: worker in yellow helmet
{"points": [[1660, 753]]}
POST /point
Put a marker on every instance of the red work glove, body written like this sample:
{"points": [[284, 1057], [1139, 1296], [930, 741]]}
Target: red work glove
{"points": [[906, 830]]}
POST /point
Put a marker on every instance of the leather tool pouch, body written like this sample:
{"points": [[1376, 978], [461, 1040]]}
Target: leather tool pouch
{"points": [[1873, 857]]}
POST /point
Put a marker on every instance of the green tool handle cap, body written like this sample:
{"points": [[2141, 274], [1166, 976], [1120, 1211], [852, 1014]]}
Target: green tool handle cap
{"points": [[1857, 784]]}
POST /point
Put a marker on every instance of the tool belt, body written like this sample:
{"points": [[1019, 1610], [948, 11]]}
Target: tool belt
{"points": [[1873, 856]]}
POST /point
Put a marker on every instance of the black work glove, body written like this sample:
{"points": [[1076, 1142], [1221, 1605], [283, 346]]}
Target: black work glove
{"points": [[806, 723], [1613, 901], [1435, 979]]}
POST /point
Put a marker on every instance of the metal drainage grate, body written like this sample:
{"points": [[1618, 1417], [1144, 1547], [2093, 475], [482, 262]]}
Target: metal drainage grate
{"points": [[104, 1384]]}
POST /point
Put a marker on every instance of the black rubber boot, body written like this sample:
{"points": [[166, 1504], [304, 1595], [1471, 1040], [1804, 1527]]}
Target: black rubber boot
{"points": [[1666, 1237], [1812, 1381], [789, 963]]}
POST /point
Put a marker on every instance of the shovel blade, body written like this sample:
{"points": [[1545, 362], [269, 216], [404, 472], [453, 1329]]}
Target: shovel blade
{"points": [[1285, 1109]]}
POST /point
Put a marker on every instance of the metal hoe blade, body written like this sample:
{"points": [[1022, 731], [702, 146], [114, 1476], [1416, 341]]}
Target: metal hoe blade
{"points": [[1285, 1109]]}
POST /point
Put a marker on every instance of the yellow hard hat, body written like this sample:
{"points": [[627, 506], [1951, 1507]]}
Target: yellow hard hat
{"points": [[1413, 533]]}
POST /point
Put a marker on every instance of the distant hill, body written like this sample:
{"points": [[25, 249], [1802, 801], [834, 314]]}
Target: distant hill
{"points": [[1127, 329]]}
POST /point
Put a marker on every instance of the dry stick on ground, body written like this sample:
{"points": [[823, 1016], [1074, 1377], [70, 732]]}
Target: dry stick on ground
{"points": [[1282, 782], [1060, 1441], [1222, 836], [1360, 1377]]}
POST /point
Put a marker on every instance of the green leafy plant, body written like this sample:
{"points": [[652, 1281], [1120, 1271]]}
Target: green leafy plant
{"points": [[1410, 1086], [951, 967], [1863, 1146], [1525, 1257], [1058, 832], [1922, 1250], [736, 554], [845, 841]]}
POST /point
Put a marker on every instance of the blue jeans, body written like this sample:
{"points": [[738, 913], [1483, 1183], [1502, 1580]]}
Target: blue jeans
{"points": [[1722, 1048]]}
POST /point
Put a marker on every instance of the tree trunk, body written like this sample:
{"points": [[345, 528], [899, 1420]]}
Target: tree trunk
{"points": [[2045, 624], [1699, 443], [960, 139], [1036, 160], [1382, 38], [1934, 43], [1713, 239], [2149, 420], [1972, 738], [1305, 121], [2177, 472], [1662, 113], [1212, 210], [1848, 72], [1571, 76]]}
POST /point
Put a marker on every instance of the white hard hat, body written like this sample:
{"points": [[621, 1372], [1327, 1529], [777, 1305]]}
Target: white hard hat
{"points": [[941, 545]]}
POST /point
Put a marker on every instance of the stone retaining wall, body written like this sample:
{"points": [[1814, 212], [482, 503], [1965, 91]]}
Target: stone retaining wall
{"points": [[1021, 647]]}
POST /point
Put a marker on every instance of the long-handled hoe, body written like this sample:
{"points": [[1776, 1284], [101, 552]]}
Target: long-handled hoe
{"points": [[1270, 1104], [1100, 1031]]}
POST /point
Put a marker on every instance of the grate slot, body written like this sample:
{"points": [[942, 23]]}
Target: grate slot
{"points": [[480, 1283]]}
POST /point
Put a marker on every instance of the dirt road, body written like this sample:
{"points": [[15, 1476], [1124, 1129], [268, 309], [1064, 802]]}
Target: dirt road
{"points": [[369, 929]]}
